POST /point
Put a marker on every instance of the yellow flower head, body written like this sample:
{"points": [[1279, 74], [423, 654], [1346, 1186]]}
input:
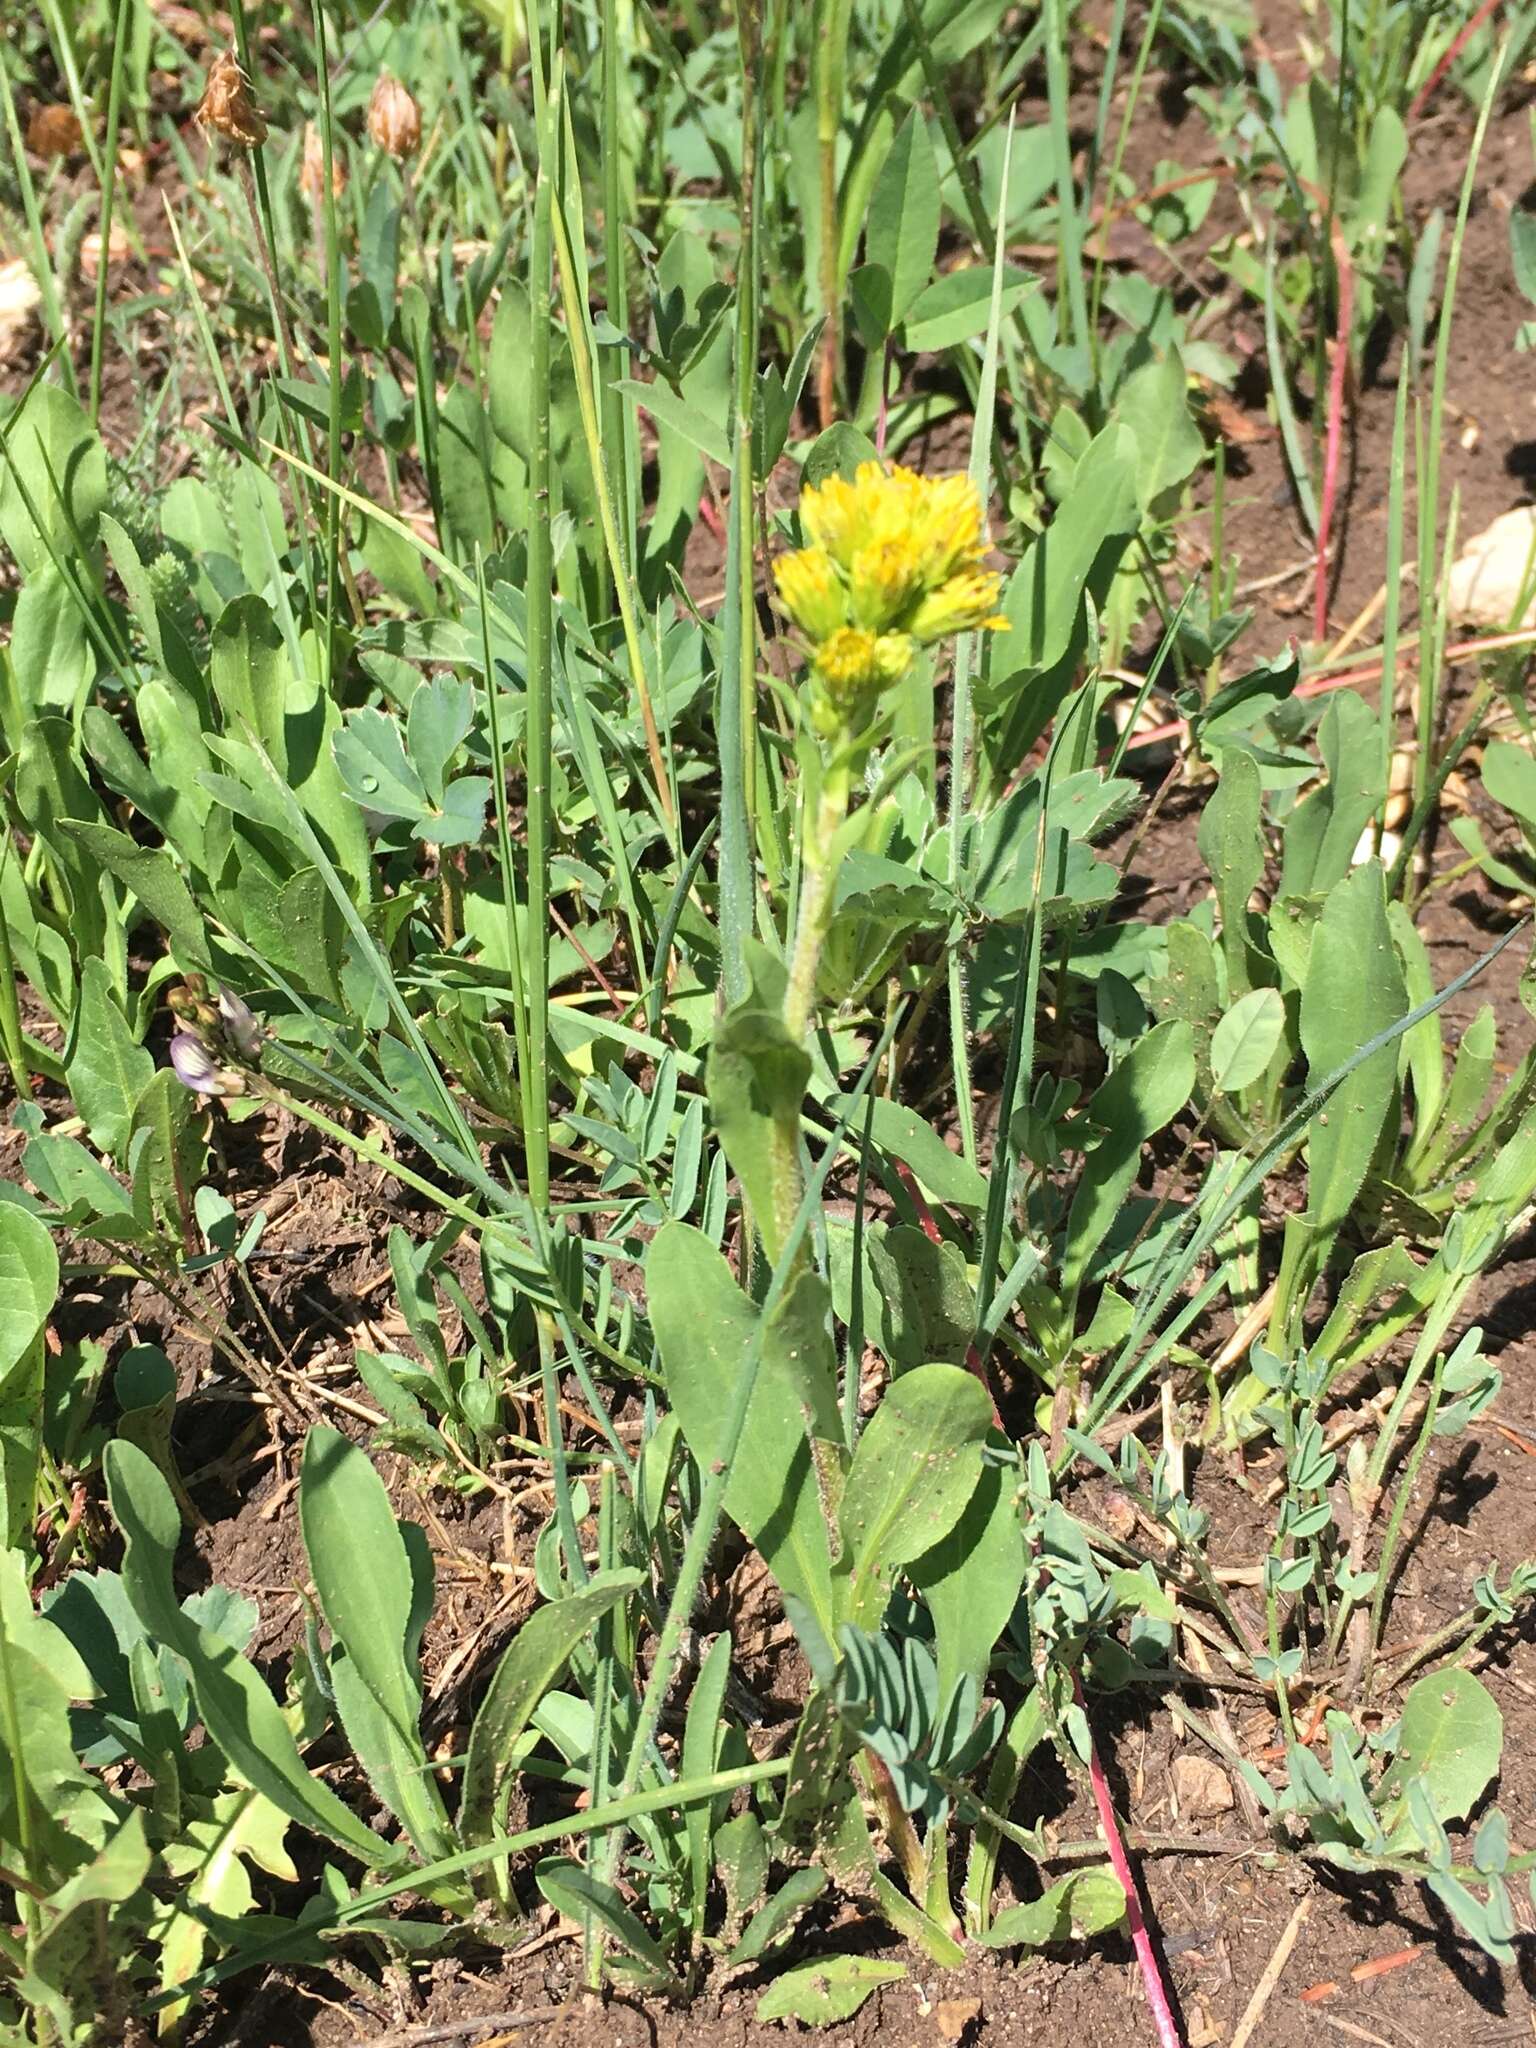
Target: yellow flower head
{"points": [[812, 592], [881, 580], [963, 604], [854, 664], [842, 517], [953, 534], [894, 561]]}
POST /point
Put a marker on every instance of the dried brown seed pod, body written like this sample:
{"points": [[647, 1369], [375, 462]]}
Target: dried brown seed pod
{"points": [[54, 131], [394, 119], [312, 173], [227, 107]]}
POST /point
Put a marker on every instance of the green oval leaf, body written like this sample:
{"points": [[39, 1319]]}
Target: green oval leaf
{"points": [[1244, 1042]]}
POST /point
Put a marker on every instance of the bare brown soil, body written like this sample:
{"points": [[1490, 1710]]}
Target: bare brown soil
{"points": [[1218, 1913]]}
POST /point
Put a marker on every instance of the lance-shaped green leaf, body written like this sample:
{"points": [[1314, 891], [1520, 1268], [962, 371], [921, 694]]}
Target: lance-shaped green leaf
{"points": [[704, 1325], [1321, 837], [971, 1579], [1354, 991], [1449, 1742], [75, 1922], [154, 878], [1246, 1039], [1084, 1903], [29, 1281], [902, 233], [830, 1989], [1146, 1091], [368, 1595], [533, 1661], [108, 1070], [578, 1892], [1231, 841], [915, 1469], [59, 462], [756, 1078], [1078, 551], [238, 1711]]}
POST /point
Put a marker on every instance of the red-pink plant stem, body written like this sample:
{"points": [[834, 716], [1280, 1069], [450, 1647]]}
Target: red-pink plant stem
{"points": [[1146, 1956], [1346, 276], [711, 518], [1427, 89], [1319, 686]]}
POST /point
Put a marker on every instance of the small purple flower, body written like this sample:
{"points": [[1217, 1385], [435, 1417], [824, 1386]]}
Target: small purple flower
{"points": [[197, 1069], [241, 1024]]}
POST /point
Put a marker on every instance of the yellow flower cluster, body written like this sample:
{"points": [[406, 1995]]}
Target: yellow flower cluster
{"points": [[895, 562]]}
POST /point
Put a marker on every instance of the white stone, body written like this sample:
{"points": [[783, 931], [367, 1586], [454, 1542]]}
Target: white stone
{"points": [[1493, 568]]}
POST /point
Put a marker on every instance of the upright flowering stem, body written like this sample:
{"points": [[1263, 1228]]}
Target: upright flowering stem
{"points": [[894, 564]]}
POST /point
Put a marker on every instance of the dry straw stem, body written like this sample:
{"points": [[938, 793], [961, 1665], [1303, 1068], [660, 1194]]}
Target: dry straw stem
{"points": [[1263, 1991]]}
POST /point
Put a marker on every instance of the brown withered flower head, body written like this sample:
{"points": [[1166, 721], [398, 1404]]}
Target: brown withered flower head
{"points": [[54, 131], [227, 107], [312, 172], [394, 119]]}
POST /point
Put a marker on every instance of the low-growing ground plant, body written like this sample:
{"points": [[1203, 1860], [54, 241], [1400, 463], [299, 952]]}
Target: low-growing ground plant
{"points": [[600, 701]]}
